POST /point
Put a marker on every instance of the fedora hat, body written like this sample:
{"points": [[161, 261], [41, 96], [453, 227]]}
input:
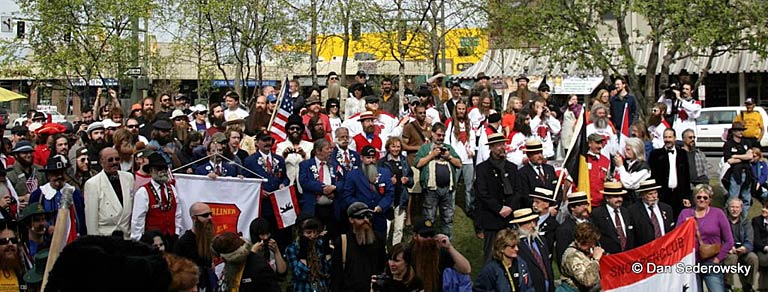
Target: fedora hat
{"points": [[648, 185], [155, 161], [533, 145], [612, 188], [523, 215], [738, 126], [496, 138], [521, 77], [33, 209], [35, 275], [233, 118], [577, 198], [544, 194]]}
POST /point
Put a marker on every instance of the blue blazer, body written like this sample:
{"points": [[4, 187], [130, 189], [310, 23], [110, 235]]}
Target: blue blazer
{"points": [[257, 165], [357, 188], [311, 187], [206, 168], [354, 159]]}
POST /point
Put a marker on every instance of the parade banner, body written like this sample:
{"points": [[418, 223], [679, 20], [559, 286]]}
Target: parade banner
{"points": [[665, 264], [234, 201], [285, 203]]}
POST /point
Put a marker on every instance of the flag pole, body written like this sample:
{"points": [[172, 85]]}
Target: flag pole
{"points": [[279, 101]]}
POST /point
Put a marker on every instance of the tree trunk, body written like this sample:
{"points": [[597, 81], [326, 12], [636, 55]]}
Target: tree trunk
{"points": [[632, 79], [705, 71], [313, 44], [345, 39], [650, 80]]}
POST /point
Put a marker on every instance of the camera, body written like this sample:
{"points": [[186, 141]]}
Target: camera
{"points": [[381, 281], [669, 91]]}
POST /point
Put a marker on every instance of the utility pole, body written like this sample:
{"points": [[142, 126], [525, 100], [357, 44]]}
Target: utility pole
{"points": [[442, 36], [135, 58]]}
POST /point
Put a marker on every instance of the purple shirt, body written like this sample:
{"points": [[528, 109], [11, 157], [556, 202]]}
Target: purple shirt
{"points": [[714, 228]]}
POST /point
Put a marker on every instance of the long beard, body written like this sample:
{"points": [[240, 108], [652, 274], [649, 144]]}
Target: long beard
{"points": [[10, 262], [203, 238], [654, 120], [364, 233], [149, 115], [371, 172], [601, 123], [529, 235], [426, 255], [163, 139], [161, 177], [318, 134]]}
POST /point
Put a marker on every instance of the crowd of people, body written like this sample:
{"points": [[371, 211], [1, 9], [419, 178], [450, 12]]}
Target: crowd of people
{"points": [[377, 178]]}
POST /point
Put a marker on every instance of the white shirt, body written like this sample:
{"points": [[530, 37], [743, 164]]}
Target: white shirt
{"points": [[477, 118], [241, 113], [612, 213], [292, 160], [672, 183], [659, 217], [631, 181], [463, 149], [141, 207]]}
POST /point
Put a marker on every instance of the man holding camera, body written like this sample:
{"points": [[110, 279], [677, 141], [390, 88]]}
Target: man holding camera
{"points": [[438, 163], [684, 110]]}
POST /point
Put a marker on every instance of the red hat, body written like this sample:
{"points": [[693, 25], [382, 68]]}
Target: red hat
{"points": [[51, 129]]}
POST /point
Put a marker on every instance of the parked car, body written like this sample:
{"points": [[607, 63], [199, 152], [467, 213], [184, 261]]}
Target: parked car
{"points": [[3, 117], [713, 123], [56, 117]]}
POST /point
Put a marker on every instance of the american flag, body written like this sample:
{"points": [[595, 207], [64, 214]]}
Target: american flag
{"points": [[284, 110]]}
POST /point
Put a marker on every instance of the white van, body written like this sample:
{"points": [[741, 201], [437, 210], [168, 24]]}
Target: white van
{"points": [[714, 121]]}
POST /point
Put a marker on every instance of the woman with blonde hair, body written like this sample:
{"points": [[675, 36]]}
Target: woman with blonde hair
{"points": [[506, 272]]}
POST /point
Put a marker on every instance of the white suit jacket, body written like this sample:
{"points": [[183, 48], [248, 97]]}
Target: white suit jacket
{"points": [[104, 213]]}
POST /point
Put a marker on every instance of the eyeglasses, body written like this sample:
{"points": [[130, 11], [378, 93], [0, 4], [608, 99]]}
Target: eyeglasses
{"points": [[5, 241], [113, 159], [132, 126], [334, 78], [204, 215], [703, 198], [366, 215]]}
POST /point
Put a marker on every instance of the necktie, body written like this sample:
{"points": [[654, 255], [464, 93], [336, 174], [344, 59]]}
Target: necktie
{"points": [[541, 174], [655, 223], [218, 169], [619, 229], [539, 260], [163, 196], [269, 165], [321, 173], [346, 160]]}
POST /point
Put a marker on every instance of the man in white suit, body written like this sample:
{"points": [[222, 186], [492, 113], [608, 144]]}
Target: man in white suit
{"points": [[108, 200]]}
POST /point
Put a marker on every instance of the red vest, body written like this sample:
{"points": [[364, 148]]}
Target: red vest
{"points": [[598, 171], [361, 141], [157, 219]]}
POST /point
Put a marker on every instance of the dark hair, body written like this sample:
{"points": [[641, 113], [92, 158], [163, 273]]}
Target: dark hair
{"points": [[232, 94], [438, 126], [149, 237], [520, 125], [386, 79], [258, 227], [586, 233]]}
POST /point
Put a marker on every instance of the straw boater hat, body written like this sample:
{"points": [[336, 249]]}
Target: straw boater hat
{"points": [[613, 189], [648, 185], [544, 194], [577, 198], [523, 215], [367, 115], [496, 138], [533, 145]]}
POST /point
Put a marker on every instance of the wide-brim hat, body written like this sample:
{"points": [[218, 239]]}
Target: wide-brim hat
{"points": [[314, 99], [496, 138], [435, 77], [178, 114], [481, 76], [577, 198], [199, 108], [544, 194], [51, 129], [737, 126], [521, 77], [523, 215], [33, 209], [613, 189], [648, 185], [533, 145], [57, 162], [233, 118], [155, 161], [35, 275]]}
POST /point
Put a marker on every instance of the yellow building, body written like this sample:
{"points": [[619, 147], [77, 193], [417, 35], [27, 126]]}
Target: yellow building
{"points": [[464, 47]]}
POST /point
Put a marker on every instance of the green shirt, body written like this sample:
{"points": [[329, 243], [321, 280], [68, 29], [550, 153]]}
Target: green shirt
{"points": [[424, 171]]}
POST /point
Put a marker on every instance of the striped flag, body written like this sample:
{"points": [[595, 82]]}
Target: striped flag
{"points": [[624, 134], [575, 163], [280, 116], [285, 203]]}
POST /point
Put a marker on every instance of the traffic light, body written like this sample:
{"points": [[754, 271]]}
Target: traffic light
{"points": [[20, 29]]}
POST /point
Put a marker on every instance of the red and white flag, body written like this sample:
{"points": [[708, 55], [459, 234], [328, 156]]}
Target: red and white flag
{"points": [[659, 265], [284, 110], [285, 203], [624, 133]]}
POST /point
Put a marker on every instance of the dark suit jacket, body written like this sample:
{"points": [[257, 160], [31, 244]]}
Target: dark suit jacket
{"points": [[357, 188], [609, 235], [564, 237], [226, 169], [489, 192], [530, 180], [311, 187], [761, 234], [547, 231], [659, 162], [643, 231], [537, 274]]}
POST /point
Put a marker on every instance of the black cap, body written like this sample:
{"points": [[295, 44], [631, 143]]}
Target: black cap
{"points": [[263, 136], [494, 118], [294, 120], [371, 99], [369, 150], [161, 125], [155, 161], [38, 115], [361, 73]]}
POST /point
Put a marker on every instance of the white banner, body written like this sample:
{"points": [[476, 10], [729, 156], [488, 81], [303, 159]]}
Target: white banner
{"points": [[234, 202]]}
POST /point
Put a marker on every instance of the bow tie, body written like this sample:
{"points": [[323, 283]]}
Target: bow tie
{"points": [[670, 151]]}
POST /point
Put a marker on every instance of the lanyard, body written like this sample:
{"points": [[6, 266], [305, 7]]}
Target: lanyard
{"points": [[509, 276]]}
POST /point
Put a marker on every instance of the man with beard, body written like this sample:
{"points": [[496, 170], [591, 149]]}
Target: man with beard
{"points": [[258, 118], [543, 202], [360, 253], [334, 90], [385, 124], [684, 109], [271, 167], [497, 191], [166, 107], [11, 278], [216, 167], [525, 94], [60, 145], [97, 140], [35, 222], [313, 110], [155, 205], [697, 161], [247, 143], [431, 254], [438, 162], [368, 137], [371, 185], [81, 170], [316, 130], [461, 136], [108, 202], [601, 124], [653, 218], [50, 195], [132, 125], [216, 118], [657, 124], [388, 102], [613, 220], [23, 175], [309, 256], [162, 141], [669, 167], [534, 250], [147, 116], [622, 99], [181, 102], [195, 244], [416, 133], [294, 150], [439, 92], [347, 158], [578, 208]]}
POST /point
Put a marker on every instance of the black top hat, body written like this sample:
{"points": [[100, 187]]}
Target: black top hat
{"points": [[57, 162], [544, 194], [294, 120], [521, 77], [648, 185], [613, 189], [155, 161]]}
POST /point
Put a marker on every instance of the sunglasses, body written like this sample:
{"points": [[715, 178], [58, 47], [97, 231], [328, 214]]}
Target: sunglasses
{"points": [[334, 78], [201, 113], [204, 215], [132, 126], [179, 119], [5, 241], [704, 198], [165, 100], [366, 215], [294, 129], [113, 159], [83, 160], [273, 102]]}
